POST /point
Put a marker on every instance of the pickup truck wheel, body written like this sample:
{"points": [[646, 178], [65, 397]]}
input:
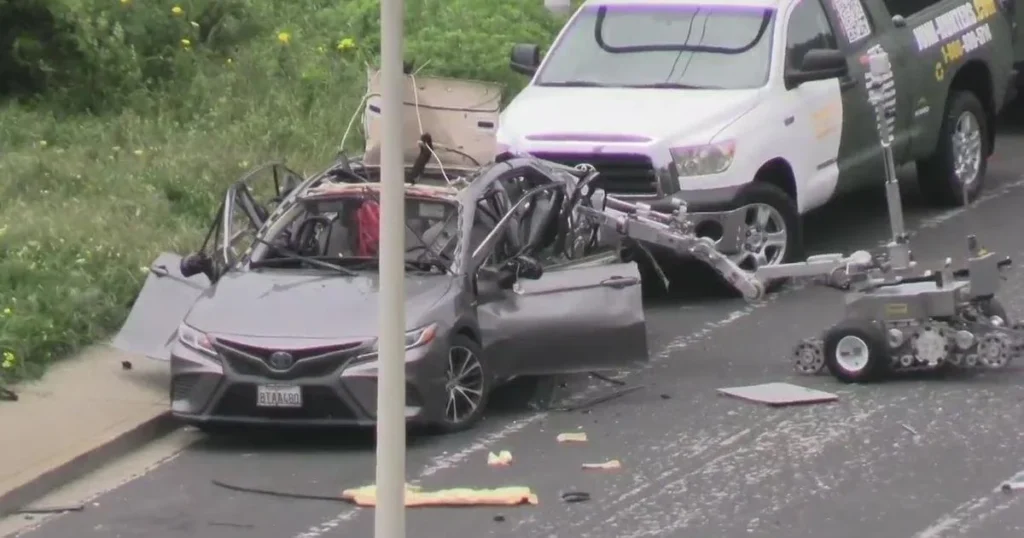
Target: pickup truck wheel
{"points": [[960, 159], [771, 234]]}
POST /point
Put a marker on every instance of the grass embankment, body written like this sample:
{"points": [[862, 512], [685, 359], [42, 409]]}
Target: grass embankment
{"points": [[130, 117]]}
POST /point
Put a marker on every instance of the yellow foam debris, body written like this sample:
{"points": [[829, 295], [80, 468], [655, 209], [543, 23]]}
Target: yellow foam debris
{"points": [[572, 437], [506, 496], [501, 459], [606, 466]]}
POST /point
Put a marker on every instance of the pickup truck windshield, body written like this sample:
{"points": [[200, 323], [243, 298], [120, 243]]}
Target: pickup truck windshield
{"points": [[663, 46]]}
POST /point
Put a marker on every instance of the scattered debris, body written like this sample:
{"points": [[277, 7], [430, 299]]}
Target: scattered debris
{"points": [[501, 459], [779, 394], [126, 365], [606, 379], [572, 437], [606, 466], [666, 397], [229, 524], [415, 497], [1015, 483], [590, 402], [575, 496], [499, 518], [909, 429], [279, 494], [51, 509], [7, 395]]}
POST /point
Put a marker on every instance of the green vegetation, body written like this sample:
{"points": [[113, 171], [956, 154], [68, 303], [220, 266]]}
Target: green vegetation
{"points": [[123, 120]]}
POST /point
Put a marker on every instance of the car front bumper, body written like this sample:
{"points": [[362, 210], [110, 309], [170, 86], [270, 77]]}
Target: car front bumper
{"points": [[336, 391]]}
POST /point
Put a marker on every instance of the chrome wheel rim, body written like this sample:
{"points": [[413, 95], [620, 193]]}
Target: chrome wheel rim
{"points": [[464, 384], [852, 353], [967, 148], [762, 239]]}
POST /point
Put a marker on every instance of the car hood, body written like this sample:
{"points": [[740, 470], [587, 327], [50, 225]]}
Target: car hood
{"points": [[556, 114], [285, 303]]}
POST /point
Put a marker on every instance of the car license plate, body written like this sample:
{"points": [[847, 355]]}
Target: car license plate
{"points": [[278, 396]]}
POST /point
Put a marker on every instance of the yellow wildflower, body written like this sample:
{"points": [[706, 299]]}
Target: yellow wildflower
{"points": [[137, 152], [186, 43], [284, 38], [321, 49], [194, 24], [9, 360], [7, 312], [126, 2], [346, 44], [177, 11], [229, 60]]}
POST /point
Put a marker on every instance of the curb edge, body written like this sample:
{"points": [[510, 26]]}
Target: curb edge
{"points": [[86, 462]]}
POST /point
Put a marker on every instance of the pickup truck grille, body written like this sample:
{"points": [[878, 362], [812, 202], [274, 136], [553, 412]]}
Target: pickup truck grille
{"points": [[630, 175]]}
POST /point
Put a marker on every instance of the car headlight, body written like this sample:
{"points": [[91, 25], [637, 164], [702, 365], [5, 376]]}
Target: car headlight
{"points": [[703, 160], [413, 339], [195, 340]]}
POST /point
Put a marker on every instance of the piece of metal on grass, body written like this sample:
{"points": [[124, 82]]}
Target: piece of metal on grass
{"points": [[389, 516], [779, 394]]}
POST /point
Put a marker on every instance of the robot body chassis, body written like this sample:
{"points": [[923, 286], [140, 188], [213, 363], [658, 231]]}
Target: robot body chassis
{"points": [[899, 316]]}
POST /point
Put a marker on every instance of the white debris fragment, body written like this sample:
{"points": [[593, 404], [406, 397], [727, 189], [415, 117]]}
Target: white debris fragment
{"points": [[779, 394], [501, 459], [572, 437]]}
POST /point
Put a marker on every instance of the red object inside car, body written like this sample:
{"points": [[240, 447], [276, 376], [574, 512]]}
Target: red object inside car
{"points": [[368, 217]]}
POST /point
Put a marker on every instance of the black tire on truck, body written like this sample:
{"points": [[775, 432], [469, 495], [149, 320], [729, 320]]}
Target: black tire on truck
{"points": [[964, 122]]}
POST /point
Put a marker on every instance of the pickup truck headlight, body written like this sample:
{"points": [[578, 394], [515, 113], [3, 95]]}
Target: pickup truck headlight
{"points": [[703, 160], [413, 339], [195, 340]]}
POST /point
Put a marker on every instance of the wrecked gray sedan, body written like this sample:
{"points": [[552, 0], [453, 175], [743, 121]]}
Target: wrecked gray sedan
{"points": [[274, 319]]}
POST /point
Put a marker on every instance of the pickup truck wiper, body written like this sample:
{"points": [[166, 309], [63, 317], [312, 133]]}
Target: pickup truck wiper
{"points": [[287, 253], [574, 84], [672, 86]]}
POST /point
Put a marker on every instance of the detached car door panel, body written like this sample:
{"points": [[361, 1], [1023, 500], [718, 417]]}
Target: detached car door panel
{"points": [[159, 308], [579, 319]]}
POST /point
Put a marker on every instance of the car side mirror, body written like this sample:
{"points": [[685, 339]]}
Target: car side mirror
{"points": [[524, 267], [817, 64], [525, 58], [196, 263]]}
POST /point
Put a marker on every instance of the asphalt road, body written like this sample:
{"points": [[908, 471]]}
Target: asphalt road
{"points": [[911, 458]]}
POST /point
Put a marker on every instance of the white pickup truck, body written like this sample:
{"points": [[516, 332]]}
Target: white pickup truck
{"points": [[755, 111]]}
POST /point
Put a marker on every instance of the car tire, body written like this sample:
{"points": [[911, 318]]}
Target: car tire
{"points": [[783, 206], [465, 355], [865, 341], [937, 175]]}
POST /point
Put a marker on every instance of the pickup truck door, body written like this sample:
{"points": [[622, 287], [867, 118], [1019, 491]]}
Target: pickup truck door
{"points": [[863, 31]]}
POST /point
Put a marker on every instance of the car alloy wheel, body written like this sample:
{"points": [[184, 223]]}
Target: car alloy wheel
{"points": [[464, 385], [967, 146], [764, 237]]}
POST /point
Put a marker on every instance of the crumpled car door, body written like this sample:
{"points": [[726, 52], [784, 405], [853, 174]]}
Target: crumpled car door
{"points": [[583, 317]]}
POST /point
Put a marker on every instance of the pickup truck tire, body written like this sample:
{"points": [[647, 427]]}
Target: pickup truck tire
{"points": [[764, 195], [963, 140]]}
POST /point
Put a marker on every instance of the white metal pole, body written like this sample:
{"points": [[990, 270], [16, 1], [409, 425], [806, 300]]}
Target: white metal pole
{"points": [[390, 512]]}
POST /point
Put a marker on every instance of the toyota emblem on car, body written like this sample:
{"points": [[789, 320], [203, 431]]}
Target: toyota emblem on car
{"points": [[281, 360]]}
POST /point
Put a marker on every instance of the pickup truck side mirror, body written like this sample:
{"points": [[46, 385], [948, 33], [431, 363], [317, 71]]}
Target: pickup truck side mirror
{"points": [[524, 58], [817, 64]]}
